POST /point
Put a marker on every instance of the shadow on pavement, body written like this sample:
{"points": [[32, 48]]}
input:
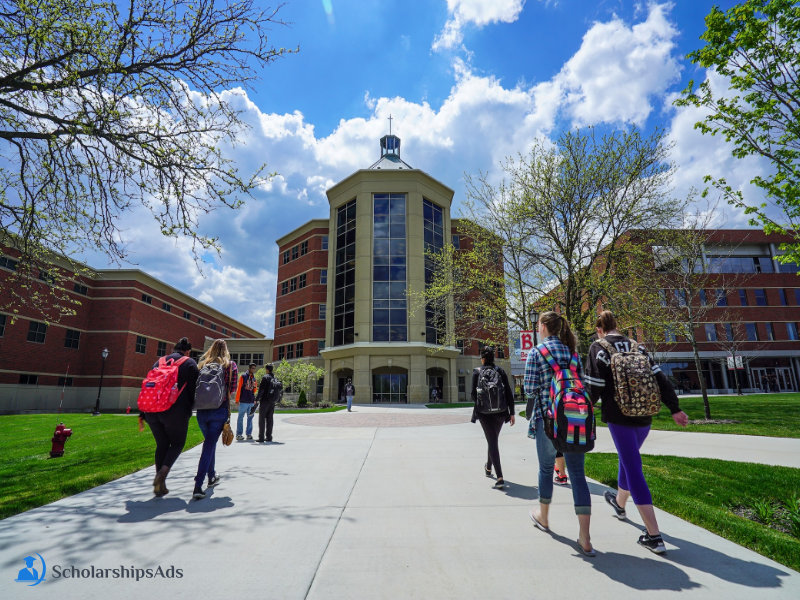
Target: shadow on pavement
{"points": [[139, 511], [523, 492], [209, 504]]}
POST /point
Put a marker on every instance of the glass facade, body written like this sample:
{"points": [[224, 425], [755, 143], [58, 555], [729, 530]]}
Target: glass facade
{"points": [[389, 304], [345, 283], [390, 387], [433, 236]]}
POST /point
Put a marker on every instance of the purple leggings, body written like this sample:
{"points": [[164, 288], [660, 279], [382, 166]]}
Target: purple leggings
{"points": [[628, 440]]}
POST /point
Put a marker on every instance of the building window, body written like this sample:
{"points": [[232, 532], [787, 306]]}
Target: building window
{"points": [[187, 316], [791, 331], [289, 351], [711, 332], [782, 297], [462, 384], [324, 242], [320, 345], [286, 257], [295, 253], [320, 385], [301, 281], [761, 297], [161, 350], [281, 352], [47, 277], [669, 336], [752, 332], [722, 298], [460, 346], [456, 241], [3, 319], [740, 264], [64, 382], [299, 349], [345, 275], [284, 288], [26, 379], [662, 297], [200, 321], [224, 331], [301, 314], [323, 311], [234, 358], [81, 289], [258, 358], [703, 298], [245, 358], [770, 331], [789, 267], [37, 332], [389, 308], [166, 307], [213, 326], [433, 237], [680, 297], [282, 320], [323, 276], [141, 344], [147, 299], [303, 248], [729, 332], [501, 352], [293, 284], [390, 387], [8, 263], [743, 297], [72, 338], [291, 317]]}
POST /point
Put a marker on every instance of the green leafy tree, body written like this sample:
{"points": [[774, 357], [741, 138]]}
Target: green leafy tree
{"points": [[754, 46], [109, 106], [300, 376]]}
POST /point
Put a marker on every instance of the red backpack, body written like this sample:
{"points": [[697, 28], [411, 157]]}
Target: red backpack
{"points": [[160, 387]]}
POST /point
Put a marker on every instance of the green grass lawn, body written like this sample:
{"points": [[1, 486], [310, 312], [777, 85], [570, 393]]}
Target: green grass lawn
{"points": [[449, 405], [774, 415], [101, 449], [702, 491]]}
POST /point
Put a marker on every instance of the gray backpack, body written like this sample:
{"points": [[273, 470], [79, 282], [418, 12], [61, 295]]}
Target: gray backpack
{"points": [[210, 390]]}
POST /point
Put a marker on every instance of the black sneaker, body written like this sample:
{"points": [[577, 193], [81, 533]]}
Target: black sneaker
{"points": [[239, 438], [611, 498], [212, 481], [499, 484], [654, 543], [249, 437], [198, 494]]}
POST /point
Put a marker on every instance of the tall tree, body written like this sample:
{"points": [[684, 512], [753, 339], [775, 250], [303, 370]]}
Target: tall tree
{"points": [[754, 46], [106, 106], [563, 217]]}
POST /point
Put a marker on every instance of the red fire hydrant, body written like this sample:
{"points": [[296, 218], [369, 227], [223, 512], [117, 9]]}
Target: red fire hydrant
{"points": [[59, 439]]}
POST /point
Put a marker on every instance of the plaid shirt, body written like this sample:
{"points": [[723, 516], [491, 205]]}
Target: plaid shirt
{"points": [[538, 375]]}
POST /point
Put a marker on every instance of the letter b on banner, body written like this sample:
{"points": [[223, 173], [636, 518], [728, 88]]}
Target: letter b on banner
{"points": [[525, 344]]}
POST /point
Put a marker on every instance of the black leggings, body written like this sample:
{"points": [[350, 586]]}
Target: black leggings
{"points": [[492, 424], [169, 430]]}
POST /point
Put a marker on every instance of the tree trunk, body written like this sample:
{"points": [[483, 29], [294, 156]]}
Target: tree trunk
{"points": [[703, 390], [736, 376]]}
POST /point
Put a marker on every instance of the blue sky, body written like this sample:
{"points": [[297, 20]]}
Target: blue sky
{"points": [[468, 82]]}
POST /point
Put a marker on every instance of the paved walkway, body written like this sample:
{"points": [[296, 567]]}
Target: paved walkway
{"points": [[377, 511]]}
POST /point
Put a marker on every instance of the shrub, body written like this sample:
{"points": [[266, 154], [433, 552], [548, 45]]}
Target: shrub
{"points": [[302, 402]]}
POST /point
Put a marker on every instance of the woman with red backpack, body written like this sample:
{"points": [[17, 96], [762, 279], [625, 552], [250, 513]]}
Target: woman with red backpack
{"points": [[215, 383], [629, 432], [560, 343]]}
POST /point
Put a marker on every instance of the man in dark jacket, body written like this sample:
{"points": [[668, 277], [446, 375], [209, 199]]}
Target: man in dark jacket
{"points": [[266, 405]]}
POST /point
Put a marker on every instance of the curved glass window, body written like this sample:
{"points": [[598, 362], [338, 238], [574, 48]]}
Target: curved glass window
{"points": [[389, 387], [345, 282], [389, 308], [433, 235]]}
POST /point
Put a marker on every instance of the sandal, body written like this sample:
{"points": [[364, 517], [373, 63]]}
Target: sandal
{"points": [[536, 522], [590, 552]]}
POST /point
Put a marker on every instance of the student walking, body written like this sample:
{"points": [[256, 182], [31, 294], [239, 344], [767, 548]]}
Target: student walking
{"points": [[349, 392], [267, 397], [628, 432], [247, 401], [559, 340], [215, 383], [494, 405], [170, 426]]}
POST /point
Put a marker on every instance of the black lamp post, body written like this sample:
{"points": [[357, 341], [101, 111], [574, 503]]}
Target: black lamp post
{"points": [[104, 354], [535, 326]]}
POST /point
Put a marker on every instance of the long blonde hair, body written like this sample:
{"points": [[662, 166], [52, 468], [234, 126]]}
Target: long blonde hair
{"points": [[218, 352]]}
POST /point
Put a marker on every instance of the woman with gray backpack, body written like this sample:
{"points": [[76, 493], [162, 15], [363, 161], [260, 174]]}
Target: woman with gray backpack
{"points": [[215, 383], [494, 405], [631, 387]]}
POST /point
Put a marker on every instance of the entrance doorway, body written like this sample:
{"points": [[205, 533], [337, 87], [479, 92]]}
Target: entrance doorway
{"points": [[774, 379], [390, 385], [436, 388]]}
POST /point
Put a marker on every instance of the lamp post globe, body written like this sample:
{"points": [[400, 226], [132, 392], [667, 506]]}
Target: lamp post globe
{"points": [[104, 354]]}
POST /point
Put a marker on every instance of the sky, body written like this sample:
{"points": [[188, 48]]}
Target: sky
{"points": [[468, 83]]}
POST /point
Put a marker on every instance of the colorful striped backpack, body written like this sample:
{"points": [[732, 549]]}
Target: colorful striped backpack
{"points": [[569, 420]]}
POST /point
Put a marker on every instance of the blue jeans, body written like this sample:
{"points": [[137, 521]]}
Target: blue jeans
{"points": [[244, 408], [210, 422], [349, 402], [547, 459]]}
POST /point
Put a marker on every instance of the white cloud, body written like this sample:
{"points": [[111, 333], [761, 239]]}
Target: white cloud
{"points": [[475, 12]]}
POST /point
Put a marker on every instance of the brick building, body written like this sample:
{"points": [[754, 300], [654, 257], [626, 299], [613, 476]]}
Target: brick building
{"points": [[132, 314], [341, 299]]}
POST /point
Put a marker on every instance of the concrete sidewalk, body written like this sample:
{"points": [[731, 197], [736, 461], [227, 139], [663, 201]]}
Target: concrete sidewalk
{"points": [[341, 509]]}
